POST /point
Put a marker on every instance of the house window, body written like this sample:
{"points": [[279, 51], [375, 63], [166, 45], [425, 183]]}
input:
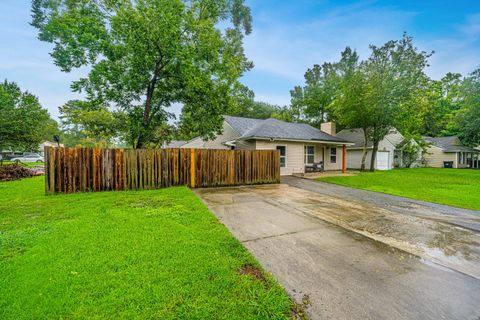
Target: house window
{"points": [[283, 156], [333, 155], [461, 157], [309, 154]]}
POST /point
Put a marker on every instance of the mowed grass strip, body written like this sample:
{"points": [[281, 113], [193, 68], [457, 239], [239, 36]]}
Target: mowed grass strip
{"points": [[454, 187], [156, 254]]}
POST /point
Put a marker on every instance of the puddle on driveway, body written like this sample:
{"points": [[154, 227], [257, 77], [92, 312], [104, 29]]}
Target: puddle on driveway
{"points": [[431, 239]]}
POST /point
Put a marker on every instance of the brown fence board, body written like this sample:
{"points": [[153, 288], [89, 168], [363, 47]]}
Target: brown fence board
{"points": [[69, 170]]}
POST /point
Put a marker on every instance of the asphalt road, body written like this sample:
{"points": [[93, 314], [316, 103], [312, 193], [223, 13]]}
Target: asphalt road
{"points": [[354, 259]]}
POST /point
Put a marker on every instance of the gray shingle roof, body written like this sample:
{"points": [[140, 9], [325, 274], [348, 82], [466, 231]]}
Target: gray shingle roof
{"points": [[242, 125], [277, 129], [354, 135], [449, 144], [175, 144]]}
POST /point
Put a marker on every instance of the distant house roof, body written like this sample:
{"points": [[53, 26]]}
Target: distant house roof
{"points": [[49, 144], [355, 135], [449, 144], [280, 130], [175, 144]]}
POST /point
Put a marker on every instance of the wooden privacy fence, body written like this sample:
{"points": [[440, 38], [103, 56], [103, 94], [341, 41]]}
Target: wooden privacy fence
{"points": [[71, 170]]}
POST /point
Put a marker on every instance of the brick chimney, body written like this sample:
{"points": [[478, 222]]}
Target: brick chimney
{"points": [[328, 127]]}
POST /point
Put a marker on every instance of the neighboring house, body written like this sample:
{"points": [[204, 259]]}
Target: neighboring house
{"points": [[389, 153], [174, 144], [300, 145], [40, 150], [449, 152], [41, 147]]}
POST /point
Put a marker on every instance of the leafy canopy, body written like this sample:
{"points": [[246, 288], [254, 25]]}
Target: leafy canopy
{"points": [[145, 55], [24, 124]]}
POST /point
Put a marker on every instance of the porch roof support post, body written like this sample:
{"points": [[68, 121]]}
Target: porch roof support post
{"points": [[344, 159]]}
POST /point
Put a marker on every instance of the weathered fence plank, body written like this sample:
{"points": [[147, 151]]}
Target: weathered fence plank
{"points": [[69, 170]]}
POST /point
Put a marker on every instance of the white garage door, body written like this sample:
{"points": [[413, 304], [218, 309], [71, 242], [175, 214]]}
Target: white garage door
{"points": [[383, 160]]}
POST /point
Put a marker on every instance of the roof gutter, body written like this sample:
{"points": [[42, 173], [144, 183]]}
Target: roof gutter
{"points": [[299, 140]]}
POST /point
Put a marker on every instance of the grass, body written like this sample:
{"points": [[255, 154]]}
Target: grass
{"points": [[454, 187], [25, 164], [156, 254]]}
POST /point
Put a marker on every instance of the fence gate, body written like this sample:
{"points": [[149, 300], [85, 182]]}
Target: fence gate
{"points": [[69, 170]]}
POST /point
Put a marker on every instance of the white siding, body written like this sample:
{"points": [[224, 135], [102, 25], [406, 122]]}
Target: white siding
{"points": [[333, 166], [295, 153], [354, 156], [435, 157]]}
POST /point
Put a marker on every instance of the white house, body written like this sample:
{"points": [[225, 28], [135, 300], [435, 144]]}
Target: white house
{"points": [[449, 152], [389, 154], [301, 146]]}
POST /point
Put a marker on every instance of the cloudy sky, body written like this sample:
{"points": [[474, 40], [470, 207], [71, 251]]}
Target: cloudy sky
{"points": [[288, 37]]}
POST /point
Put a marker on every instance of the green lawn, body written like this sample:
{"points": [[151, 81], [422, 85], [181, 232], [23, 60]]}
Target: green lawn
{"points": [[152, 254], [455, 187], [25, 164]]}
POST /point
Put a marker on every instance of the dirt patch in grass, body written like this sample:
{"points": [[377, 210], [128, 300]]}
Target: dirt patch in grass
{"points": [[252, 271]]}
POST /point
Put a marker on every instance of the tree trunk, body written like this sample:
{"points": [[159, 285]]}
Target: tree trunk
{"points": [[364, 156], [148, 105], [374, 155]]}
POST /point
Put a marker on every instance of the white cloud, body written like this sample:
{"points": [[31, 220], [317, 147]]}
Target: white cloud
{"points": [[282, 49], [458, 52], [471, 27]]}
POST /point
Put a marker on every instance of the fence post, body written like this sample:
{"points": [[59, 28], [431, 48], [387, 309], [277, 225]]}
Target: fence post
{"points": [[192, 168]]}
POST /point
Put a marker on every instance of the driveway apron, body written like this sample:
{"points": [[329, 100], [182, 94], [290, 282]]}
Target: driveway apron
{"points": [[353, 259]]}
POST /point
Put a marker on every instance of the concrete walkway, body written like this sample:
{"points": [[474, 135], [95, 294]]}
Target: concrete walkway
{"points": [[298, 235]]}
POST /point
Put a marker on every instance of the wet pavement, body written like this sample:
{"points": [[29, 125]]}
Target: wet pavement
{"points": [[354, 258], [469, 219]]}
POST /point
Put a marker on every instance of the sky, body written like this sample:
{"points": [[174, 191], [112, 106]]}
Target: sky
{"points": [[288, 37]]}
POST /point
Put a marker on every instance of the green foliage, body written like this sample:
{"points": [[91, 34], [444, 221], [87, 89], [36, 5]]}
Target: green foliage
{"points": [[146, 55], [370, 94], [394, 73], [256, 109], [97, 123], [121, 255], [447, 105], [467, 120], [452, 187], [310, 102], [413, 151], [73, 136], [246, 106], [24, 124]]}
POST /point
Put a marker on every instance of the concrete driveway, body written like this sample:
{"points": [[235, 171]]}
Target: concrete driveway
{"points": [[353, 258]]}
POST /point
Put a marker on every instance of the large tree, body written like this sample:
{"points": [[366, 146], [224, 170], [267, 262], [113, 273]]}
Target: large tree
{"points": [[145, 55], [24, 124], [467, 120], [97, 124], [310, 102], [393, 73], [348, 107]]}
